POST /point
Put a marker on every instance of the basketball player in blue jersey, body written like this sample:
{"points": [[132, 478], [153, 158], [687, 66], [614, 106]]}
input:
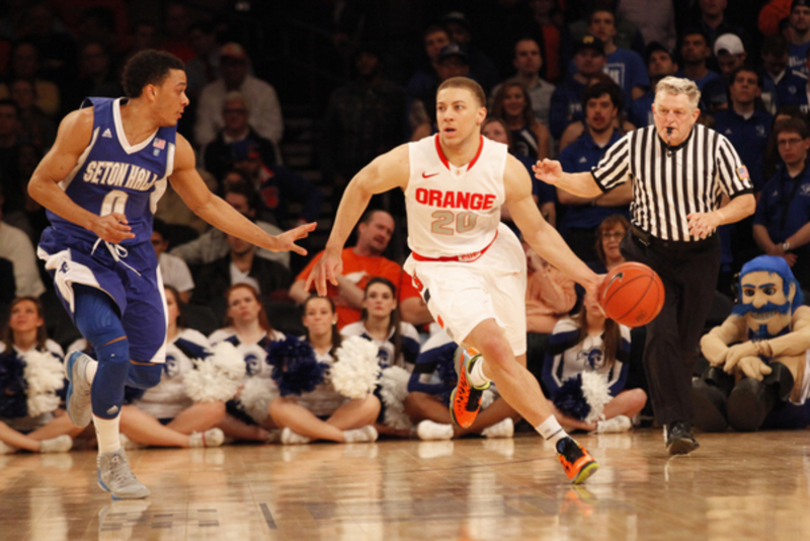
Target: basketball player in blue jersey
{"points": [[100, 184]]}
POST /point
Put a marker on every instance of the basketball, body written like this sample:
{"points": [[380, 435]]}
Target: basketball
{"points": [[632, 294]]}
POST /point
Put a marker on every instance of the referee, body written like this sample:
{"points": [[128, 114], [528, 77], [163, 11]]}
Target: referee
{"points": [[679, 172]]}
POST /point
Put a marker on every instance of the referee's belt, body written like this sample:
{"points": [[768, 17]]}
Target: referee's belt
{"points": [[462, 258], [646, 239]]}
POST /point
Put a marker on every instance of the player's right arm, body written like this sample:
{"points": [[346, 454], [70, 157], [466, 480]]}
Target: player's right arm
{"points": [[581, 184], [75, 132], [384, 173]]}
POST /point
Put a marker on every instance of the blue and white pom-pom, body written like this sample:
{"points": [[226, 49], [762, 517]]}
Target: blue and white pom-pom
{"points": [[256, 396], [216, 377], [394, 390], [45, 374], [13, 400], [356, 370], [583, 397], [295, 369]]}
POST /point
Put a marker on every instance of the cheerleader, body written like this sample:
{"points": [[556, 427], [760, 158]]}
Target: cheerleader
{"points": [[165, 415], [30, 359], [398, 342], [580, 347], [324, 414], [248, 329]]}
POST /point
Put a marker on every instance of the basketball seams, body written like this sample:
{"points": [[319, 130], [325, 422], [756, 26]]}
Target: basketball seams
{"points": [[638, 271]]}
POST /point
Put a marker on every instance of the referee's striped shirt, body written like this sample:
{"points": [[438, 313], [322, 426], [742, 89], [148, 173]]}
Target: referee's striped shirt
{"points": [[669, 183]]}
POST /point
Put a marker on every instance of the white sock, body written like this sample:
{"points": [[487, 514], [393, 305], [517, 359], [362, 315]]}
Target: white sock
{"points": [[107, 433], [476, 375], [551, 430], [90, 371]]}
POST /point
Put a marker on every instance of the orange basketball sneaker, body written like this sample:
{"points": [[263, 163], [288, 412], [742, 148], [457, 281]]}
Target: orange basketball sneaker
{"points": [[576, 461], [465, 400]]}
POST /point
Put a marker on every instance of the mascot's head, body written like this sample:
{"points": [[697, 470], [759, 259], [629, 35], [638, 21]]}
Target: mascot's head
{"points": [[768, 295]]}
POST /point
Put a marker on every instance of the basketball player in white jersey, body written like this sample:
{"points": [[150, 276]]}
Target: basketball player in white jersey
{"points": [[470, 269]]}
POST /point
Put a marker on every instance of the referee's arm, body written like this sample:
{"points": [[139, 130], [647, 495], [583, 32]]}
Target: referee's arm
{"points": [[579, 184]]}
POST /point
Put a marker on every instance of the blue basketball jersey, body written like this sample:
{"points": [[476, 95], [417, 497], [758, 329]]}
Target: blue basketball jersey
{"points": [[114, 176]]}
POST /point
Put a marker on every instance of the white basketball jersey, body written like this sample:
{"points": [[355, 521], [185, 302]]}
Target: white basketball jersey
{"points": [[451, 210]]}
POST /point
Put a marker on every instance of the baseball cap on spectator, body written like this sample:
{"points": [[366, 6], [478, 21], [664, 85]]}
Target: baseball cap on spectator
{"points": [[728, 44], [590, 42], [453, 50], [246, 149], [456, 17], [655, 46], [233, 50]]}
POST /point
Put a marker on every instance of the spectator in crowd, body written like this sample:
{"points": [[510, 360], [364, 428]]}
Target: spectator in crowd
{"points": [[550, 295], [780, 83], [772, 160], [799, 35], [57, 47], [249, 330], [165, 416], [513, 104], [10, 141], [590, 342], [278, 186], [203, 68], [425, 80], [99, 76], [576, 129], [25, 65], [482, 68], [176, 40], [744, 124], [548, 31], [361, 262], [217, 156], [452, 62], [34, 125], [566, 101], [624, 66], [544, 195], [50, 432], [782, 219], [363, 119], [16, 247], [695, 52], [655, 19], [660, 63], [73, 13], [799, 98], [609, 236], [31, 217], [581, 216], [97, 24], [528, 61], [265, 113], [213, 244], [730, 55], [173, 270], [270, 279], [144, 36], [429, 388], [772, 17], [324, 414], [711, 20]]}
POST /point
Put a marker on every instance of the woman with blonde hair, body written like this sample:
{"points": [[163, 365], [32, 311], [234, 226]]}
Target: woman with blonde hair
{"points": [[513, 103]]}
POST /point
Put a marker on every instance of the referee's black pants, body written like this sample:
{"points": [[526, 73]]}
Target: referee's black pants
{"points": [[689, 272]]}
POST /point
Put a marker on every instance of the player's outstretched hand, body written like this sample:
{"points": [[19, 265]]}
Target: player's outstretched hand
{"points": [[549, 171], [286, 241], [113, 227], [328, 267]]}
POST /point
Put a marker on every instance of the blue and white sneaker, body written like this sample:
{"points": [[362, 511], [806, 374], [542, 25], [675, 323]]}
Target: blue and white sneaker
{"points": [[79, 408]]}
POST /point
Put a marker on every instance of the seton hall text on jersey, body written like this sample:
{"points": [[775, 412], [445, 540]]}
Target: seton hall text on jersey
{"points": [[455, 199], [121, 175]]}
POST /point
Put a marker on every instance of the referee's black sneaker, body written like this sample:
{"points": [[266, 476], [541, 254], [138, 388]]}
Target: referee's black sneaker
{"points": [[679, 438]]}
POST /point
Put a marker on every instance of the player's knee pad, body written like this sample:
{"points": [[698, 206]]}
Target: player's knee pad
{"points": [[111, 376], [144, 376]]}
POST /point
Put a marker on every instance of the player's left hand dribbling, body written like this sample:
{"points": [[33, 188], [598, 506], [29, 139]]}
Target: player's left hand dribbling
{"points": [[113, 227]]}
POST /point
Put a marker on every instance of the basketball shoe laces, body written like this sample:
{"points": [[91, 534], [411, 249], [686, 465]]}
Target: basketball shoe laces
{"points": [[117, 252], [120, 471]]}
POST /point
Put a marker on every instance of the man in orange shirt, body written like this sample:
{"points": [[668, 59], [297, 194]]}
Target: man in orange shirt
{"points": [[361, 262]]}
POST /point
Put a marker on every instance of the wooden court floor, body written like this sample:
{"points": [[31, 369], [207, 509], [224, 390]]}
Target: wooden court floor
{"points": [[736, 486]]}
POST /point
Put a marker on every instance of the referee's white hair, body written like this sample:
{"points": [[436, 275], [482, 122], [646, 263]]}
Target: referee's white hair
{"points": [[676, 85]]}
